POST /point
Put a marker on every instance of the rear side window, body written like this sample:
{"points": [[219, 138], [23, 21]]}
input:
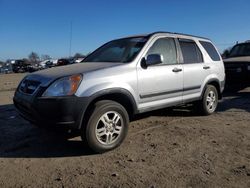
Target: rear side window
{"points": [[210, 50], [190, 51]]}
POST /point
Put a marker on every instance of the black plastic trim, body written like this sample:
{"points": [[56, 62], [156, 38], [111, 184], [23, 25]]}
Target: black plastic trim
{"points": [[220, 87], [188, 35], [103, 93], [50, 110], [168, 92], [159, 107]]}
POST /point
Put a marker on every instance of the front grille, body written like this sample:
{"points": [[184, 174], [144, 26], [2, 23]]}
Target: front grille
{"points": [[29, 86], [236, 64], [24, 111]]}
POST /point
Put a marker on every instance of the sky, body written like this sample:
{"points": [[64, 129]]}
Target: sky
{"points": [[43, 26]]}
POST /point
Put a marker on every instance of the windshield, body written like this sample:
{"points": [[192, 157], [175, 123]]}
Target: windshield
{"points": [[121, 50], [240, 50]]}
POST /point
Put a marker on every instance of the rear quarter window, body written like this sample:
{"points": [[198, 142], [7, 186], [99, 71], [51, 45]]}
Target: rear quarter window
{"points": [[209, 47]]}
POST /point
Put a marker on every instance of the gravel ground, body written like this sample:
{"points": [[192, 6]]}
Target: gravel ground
{"points": [[166, 148]]}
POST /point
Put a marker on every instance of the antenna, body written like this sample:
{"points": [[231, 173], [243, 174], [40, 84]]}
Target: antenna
{"points": [[70, 39]]}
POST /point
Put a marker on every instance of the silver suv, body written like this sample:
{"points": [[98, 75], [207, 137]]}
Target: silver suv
{"points": [[122, 78]]}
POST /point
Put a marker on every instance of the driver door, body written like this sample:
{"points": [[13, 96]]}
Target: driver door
{"points": [[160, 85]]}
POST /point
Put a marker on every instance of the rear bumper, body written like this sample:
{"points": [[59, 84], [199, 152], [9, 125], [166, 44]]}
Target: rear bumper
{"points": [[66, 112], [222, 86]]}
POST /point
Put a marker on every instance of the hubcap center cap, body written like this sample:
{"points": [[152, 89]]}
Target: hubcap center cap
{"points": [[110, 127]]}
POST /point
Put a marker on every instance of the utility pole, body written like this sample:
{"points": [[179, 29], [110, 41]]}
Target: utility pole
{"points": [[70, 39]]}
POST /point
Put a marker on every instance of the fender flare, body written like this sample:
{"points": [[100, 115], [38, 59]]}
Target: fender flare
{"points": [[103, 93], [218, 89]]}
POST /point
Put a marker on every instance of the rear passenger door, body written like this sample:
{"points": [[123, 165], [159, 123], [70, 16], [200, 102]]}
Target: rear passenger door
{"points": [[195, 70]]}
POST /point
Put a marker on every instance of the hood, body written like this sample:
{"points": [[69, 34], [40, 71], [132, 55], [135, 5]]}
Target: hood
{"points": [[49, 75], [237, 59]]}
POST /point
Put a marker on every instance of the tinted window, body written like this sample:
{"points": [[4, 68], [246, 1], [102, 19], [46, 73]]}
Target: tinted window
{"points": [[165, 47], [240, 50], [190, 52], [210, 50], [113, 54], [122, 50]]}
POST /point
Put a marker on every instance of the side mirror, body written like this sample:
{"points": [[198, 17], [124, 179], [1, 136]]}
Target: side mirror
{"points": [[154, 59]]}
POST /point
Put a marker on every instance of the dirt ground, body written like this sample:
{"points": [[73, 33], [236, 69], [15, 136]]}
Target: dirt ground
{"points": [[166, 148]]}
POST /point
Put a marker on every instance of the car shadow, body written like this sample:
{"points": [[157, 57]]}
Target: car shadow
{"points": [[235, 96], [20, 139], [177, 111]]}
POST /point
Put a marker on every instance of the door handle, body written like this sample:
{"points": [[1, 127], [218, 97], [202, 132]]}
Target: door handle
{"points": [[206, 67], [177, 70]]}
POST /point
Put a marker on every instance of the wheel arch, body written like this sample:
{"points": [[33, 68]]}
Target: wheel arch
{"points": [[216, 83], [122, 96]]}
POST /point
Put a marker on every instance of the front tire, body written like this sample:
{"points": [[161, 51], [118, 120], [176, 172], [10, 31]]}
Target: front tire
{"points": [[107, 126]]}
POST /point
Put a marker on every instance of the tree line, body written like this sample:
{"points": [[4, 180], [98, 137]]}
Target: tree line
{"points": [[34, 58]]}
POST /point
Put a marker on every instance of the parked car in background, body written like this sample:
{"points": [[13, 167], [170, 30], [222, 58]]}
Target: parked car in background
{"points": [[6, 68], [237, 62], [62, 62], [44, 63], [54, 62], [122, 78], [79, 60], [1, 69], [66, 61], [20, 66], [51, 63], [35, 67]]}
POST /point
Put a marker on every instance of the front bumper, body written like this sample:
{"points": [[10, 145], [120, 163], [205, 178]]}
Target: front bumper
{"points": [[237, 71], [222, 86], [66, 112]]}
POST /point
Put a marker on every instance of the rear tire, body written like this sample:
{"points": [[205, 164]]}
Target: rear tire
{"points": [[209, 101], [107, 126]]}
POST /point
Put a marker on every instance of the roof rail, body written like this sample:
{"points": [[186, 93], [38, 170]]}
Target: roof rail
{"points": [[159, 32]]}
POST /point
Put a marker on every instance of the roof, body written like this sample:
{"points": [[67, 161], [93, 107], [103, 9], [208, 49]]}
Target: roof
{"points": [[242, 43], [165, 32], [188, 35]]}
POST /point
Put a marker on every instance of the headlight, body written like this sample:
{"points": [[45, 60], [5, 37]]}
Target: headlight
{"points": [[64, 86]]}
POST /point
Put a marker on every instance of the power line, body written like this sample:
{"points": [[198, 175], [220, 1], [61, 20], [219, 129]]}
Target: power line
{"points": [[225, 44]]}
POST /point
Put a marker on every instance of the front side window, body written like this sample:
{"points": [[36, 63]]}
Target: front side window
{"points": [[190, 51], [118, 51], [165, 47]]}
